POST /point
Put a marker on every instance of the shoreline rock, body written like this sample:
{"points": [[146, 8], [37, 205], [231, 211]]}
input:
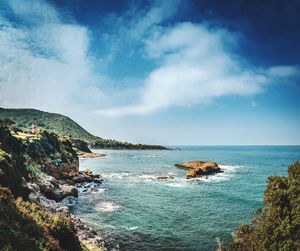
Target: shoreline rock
{"points": [[197, 169], [85, 155], [47, 191]]}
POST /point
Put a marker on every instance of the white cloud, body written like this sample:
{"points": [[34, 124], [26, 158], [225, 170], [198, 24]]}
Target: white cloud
{"points": [[195, 67], [284, 71], [155, 15], [45, 64]]}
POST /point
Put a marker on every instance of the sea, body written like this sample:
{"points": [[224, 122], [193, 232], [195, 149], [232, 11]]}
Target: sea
{"points": [[136, 211]]}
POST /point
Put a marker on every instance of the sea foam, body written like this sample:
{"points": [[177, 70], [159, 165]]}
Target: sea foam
{"points": [[107, 206]]}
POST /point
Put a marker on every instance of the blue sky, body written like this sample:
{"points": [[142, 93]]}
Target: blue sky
{"points": [[157, 72]]}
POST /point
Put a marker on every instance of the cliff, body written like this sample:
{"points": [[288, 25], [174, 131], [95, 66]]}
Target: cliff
{"points": [[35, 173]]}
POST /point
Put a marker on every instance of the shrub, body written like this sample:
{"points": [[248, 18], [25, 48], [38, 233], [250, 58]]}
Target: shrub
{"points": [[276, 227], [25, 226]]}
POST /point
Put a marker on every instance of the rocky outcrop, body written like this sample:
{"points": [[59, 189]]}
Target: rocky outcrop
{"points": [[57, 190], [197, 169], [90, 238], [80, 145], [44, 170], [83, 155], [48, 191]]}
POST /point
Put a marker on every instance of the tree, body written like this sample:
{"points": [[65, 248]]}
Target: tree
{"points": [[6, 122], [277, 226]]}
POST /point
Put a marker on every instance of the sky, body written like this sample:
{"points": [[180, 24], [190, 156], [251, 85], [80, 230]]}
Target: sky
{"points": [[172, 72]]}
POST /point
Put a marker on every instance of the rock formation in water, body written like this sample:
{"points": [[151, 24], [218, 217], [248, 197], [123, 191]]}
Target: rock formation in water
{"points": [[197, 169]]}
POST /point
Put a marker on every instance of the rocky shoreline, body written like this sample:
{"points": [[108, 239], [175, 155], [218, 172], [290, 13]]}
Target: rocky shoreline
{"points": [[90, 155], [49, 191]]}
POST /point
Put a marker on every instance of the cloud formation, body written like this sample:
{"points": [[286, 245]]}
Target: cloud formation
{"points": [[47, 62], [195, 67], [44, 63]]}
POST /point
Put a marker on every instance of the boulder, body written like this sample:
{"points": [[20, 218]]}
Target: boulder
{"points": [[197, 169], [46, 187], [64, 191], [52, 188], [87, 171], [82, 177]]}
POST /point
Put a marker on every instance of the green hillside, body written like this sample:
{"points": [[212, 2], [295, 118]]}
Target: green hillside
{"points": [[54, 122], [64, 126]]}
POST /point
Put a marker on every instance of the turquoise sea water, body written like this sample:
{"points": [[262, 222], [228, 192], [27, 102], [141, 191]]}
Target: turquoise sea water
{"points": [[140, 213]]}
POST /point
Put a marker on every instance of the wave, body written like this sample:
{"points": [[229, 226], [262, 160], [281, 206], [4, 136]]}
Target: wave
{"points": [[131, 228], [69, 201], [107, 206], [178, 181], [115, 175], [228, 173], [176, 184]]}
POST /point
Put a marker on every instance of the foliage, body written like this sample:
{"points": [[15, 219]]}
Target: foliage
{"points": [[114, 144], [6, 122], [64, 126], [57, 123], [12, 168], [24, 226], [276, 227]]}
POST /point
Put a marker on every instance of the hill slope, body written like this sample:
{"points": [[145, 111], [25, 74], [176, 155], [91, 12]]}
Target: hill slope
{"points": [[57, 123], [64, 126]]}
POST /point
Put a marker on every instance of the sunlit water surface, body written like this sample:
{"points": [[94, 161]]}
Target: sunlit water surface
{"points": [[141, 213]]}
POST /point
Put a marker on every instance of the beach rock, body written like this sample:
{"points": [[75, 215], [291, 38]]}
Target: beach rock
{"points": [[81, 177], [84, 155], [51, 188], [88, 236], [94, 190], [87, 171], [197, 169], [46, 187], [64, 191], [164, 177], [86, 176]]}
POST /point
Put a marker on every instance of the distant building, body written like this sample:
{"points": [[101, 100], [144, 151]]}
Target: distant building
{"points": [[33, 129]]}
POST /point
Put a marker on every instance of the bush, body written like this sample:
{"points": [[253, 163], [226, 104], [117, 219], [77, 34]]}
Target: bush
{"points": [[276, 227], [24, 226]]}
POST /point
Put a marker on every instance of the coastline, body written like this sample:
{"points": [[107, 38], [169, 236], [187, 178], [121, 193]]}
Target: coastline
{"points": [[51, 192], [90, 155]]}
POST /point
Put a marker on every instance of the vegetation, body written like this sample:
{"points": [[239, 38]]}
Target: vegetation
{"points": [[64, 126], [53, 122], [276, 227], [114, 144], [23, 224], [12, 169]]}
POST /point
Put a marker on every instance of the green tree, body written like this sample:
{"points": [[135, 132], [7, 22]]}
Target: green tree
{"points": [[277, 226], [6, 122]]}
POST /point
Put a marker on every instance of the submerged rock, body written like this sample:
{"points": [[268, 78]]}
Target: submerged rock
{"points": [[164, 177], [197, 169], [94, 190]]}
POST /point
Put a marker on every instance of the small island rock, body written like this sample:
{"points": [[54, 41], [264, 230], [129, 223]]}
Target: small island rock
{"points": [[197, 169]]}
